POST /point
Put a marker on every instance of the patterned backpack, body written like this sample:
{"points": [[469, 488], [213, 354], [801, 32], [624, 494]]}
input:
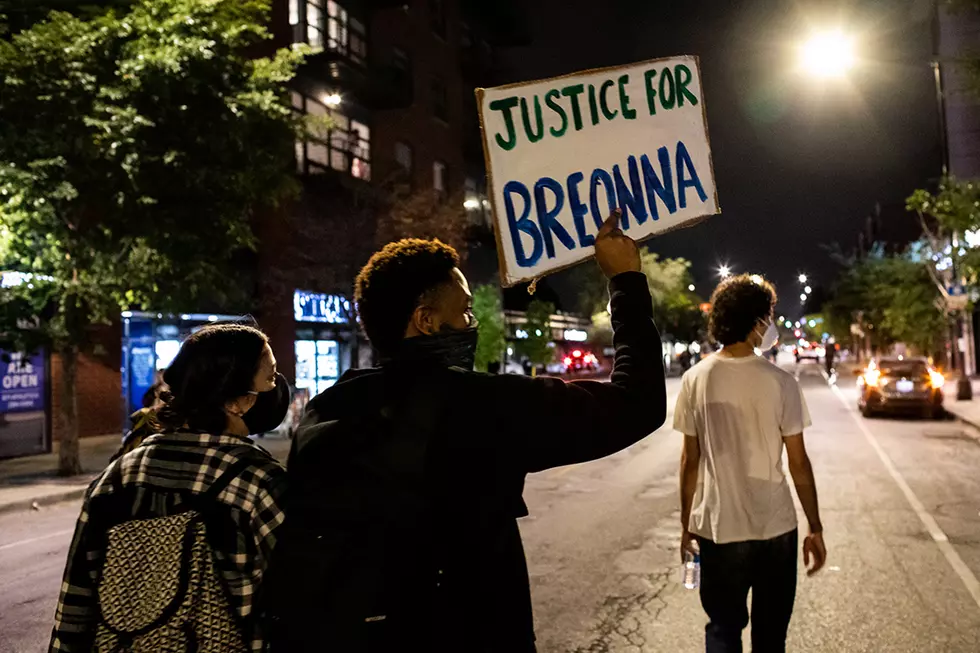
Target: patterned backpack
{"points": [[159, 590]]}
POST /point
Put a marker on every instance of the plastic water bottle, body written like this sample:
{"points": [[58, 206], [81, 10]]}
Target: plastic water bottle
{"points": [[691, 577]]}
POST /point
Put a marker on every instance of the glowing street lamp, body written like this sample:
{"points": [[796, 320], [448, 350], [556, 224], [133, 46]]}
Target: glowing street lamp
{"points": [[807, 290], [803, 297], [828, 54], [802, 278], [724, 272], [691, 287]]}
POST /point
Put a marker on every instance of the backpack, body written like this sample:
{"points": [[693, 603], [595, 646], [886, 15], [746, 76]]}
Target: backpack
{"points": [[355, 568], [159, 590]]}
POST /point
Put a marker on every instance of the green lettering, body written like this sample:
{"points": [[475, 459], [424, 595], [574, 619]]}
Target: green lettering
{"points": [[668, 98], [572, 92], [624, 98], [606, 85], [549, 99], [532, 136], [648, 77], [505, 107], [593, 109], [683, 77]]}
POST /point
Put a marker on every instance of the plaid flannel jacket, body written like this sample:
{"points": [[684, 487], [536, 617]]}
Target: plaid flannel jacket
{"points": [[157, 478]]}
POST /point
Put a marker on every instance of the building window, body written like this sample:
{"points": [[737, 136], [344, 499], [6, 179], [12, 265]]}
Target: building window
{"points": [[345, 146], [403, 155], [440, 100], [437, 17], [440, 176], [329, 25], [294, 12]]}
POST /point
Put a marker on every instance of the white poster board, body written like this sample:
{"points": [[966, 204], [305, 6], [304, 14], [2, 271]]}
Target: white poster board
{"points": [[561, 153]]}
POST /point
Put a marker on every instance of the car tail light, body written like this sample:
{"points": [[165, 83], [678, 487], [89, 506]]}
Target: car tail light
{"points": [[936, 379], [871, 377], [568, 361]]}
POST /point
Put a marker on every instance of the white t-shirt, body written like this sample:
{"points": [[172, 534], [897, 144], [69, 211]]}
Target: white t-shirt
{"points": [[740, 409]]}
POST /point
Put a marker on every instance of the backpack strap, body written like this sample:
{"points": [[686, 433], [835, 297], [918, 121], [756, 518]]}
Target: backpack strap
{"points": [[210, 496]]}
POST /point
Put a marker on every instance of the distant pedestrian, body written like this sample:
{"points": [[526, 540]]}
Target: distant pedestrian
{"points": [[144, 421], [174, 537], [830, 353], [738, 413], [406, 481]]}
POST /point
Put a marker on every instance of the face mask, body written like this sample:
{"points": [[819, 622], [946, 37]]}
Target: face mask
{"points": [[454, 348], [270, 408], [770, 337]]}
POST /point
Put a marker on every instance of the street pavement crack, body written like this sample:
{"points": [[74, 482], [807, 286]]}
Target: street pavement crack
{"points": [[621, 619]]}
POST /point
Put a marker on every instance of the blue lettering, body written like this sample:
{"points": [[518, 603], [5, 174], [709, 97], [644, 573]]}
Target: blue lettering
{"points": [[683, 182], [517, 225], [601, 176], [630, 199], [579, 210], [546, 218], [655, 188]]}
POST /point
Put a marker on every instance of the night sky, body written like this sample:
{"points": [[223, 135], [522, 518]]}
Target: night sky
{"points": [[798, 162]]}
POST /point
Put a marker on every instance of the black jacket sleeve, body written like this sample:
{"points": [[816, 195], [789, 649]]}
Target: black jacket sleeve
{"points": [[550, 423]]}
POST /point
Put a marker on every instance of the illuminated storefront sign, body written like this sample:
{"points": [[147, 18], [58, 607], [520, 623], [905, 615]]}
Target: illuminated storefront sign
{"points": [[319, 307]]}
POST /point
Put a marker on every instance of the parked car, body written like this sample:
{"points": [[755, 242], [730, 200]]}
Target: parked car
{"points": [[900, 385]]}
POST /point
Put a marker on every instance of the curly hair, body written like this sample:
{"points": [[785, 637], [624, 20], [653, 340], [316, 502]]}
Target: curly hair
{"points": [[214, 365], [389, 287], [737, 305]]}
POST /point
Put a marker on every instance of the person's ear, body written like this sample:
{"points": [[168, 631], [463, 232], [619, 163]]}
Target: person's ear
{"points": [[424, 320]]}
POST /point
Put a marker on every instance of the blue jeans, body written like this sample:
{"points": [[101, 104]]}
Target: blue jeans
{"points": [[728, 571]]}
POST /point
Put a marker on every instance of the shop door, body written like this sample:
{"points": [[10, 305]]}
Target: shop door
{"points": [[317, 364]]}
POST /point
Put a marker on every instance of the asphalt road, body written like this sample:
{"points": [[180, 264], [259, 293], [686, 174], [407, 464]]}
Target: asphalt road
{"points": [[900, 504]]}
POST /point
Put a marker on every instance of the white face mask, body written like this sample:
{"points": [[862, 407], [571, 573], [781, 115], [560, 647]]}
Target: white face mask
{"points": [[770, 337]]}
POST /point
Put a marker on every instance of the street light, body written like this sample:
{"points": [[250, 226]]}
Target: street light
{"points": [[803, 297], [807, 290], [724, 272], [691, 287], [802, 278], [828, 54]]}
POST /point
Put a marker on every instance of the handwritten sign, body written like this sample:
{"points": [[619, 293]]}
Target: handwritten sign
{"points": [[562, 153]]}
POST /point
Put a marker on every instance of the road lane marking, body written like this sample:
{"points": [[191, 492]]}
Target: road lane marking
{"points": [[928, 521], [36, 539]]}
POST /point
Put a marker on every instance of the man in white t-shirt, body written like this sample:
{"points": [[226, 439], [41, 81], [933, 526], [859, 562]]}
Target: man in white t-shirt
{"points": [[737, 412]]}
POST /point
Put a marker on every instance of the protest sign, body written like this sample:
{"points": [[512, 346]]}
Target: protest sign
{"points": [[562, 153]]}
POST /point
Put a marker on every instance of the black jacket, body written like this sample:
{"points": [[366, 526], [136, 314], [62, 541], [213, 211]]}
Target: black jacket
{"points": [[486, 434]]}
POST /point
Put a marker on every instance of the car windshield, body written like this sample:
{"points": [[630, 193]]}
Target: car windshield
{"points": [[903, 368]]}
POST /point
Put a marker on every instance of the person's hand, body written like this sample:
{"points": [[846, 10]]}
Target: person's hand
{"points": [[689, 544], [615, 252], [813, 547]]}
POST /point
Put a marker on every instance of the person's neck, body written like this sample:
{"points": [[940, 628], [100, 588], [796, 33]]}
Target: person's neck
{"points": [[738, 350]]}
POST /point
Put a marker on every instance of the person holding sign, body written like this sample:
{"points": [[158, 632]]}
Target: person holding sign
{"points": [[738, 412], [407, 480]]}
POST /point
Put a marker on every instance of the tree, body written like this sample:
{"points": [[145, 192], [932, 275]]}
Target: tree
{"points": [[134, 150], [489, 313], [892, 298], [676, 309], [537, 346], [424, 214]]}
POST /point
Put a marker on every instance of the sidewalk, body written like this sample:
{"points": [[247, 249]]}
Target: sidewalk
{"points": [[32, 480], [965, 411]]}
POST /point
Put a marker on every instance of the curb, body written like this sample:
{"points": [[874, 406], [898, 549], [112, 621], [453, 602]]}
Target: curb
{"points": [[47, 500], [973, 428]]}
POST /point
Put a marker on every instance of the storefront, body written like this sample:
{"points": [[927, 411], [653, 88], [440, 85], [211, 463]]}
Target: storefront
{"points": [[24, 393], [326, 342], [150, 342]]}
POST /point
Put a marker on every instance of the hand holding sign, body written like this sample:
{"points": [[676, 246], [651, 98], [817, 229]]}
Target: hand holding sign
{"points": [[616, 252]]}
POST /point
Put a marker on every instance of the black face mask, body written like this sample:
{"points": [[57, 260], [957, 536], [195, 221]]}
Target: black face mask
{"points": [[270, 408], [453, 348]]}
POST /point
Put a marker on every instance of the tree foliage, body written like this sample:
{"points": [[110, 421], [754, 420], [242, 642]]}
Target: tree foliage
{"points": [[536, 347], [676, 309], [489, 313], [423, 214], [892, 298], [950, 219], [133, 150]]}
